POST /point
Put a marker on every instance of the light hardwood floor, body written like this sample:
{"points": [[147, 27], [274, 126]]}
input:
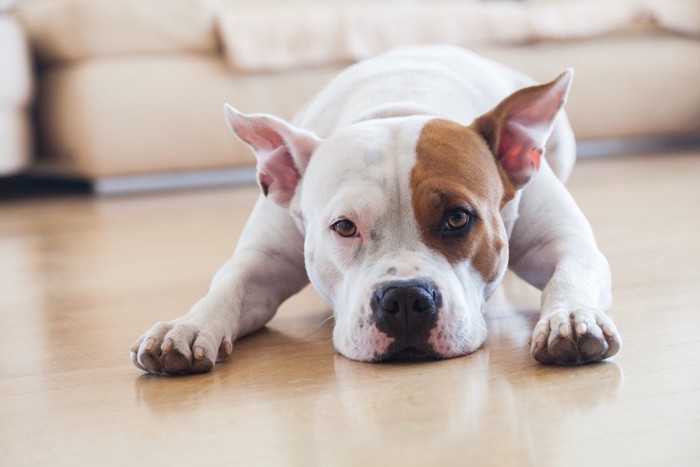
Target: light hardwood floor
{"points": [[81, 278]]}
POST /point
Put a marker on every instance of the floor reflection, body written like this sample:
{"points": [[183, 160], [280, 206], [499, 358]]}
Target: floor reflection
{"points": [[287, 389]]}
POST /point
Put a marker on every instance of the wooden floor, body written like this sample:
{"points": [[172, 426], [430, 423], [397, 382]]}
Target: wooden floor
{"points": [[81, 278]]}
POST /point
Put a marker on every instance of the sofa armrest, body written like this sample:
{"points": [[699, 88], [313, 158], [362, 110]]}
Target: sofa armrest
{"points": [[16, 86]]}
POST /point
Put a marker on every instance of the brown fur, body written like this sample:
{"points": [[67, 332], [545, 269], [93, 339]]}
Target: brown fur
{"points": [[455, 167]]}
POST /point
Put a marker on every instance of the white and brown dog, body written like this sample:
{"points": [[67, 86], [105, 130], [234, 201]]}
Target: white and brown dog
{"points": [[403, 191]]}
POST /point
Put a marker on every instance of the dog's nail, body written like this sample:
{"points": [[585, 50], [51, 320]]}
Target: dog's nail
{"points": [[581, 329], [198, 353], [228, 348], [608, 331], [539, 342], [150, 343], [135, 347], [167, 345], [565, 330]]}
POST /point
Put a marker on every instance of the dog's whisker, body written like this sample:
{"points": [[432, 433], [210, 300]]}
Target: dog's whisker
{"points": [[318, 327]]}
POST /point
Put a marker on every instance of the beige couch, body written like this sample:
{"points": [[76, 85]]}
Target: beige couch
{"points": [[130, 92], [15, 95]]}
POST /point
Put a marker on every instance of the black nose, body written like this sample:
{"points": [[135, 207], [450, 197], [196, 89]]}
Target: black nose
{"points": [[407, 310], [402, 299]]}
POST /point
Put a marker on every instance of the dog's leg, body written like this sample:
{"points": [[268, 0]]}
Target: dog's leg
{"points": [[553, 248], [552, 245], [266, 268]]}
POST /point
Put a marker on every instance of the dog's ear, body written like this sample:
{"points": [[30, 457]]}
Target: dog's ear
{"points": [[283, 151], [518, 128]]}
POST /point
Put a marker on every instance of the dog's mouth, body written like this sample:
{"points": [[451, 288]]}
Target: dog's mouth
{"points": [[410, 354]]}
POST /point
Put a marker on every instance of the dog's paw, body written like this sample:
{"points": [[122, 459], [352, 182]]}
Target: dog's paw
{"points": [[180, 347], [573, 338]]}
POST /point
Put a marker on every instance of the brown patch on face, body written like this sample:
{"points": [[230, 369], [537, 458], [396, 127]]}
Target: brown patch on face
{"points": [[455, 169]]}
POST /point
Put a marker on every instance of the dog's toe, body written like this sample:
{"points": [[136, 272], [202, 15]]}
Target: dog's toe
{"points": [[592, 344], [612, 337], [146, 353], [176, 363], [563, 351], [201, 362]]}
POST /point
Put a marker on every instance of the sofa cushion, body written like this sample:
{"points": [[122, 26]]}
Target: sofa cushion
{"points": [[297, 34], [134, 114], [69, 30], [635, 86]]}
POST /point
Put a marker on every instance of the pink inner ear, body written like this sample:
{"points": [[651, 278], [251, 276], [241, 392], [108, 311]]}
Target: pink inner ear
{"points": [[258, 136], [282, 151], [519, 154], [278, 176]]}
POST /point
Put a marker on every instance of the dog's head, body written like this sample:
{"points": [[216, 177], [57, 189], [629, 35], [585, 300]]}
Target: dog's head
{"points": [[403, 217]]}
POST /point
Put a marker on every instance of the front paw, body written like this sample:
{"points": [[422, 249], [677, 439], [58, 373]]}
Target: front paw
{"points": [[180, 347], [573, 338]]}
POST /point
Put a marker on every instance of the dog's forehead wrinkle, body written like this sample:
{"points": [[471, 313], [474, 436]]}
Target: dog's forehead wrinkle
{"points": [[353, 177], [390, 233], [365, 169], [371, 155]]}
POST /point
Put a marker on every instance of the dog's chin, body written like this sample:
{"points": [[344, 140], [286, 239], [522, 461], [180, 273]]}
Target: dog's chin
{"points": [[409, 354]]}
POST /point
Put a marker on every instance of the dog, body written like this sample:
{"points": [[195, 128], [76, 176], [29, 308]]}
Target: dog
{"points": [[403, 191]]}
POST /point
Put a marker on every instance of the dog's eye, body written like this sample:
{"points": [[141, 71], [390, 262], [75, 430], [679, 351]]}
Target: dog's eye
{"points": [[457, 219], [345, 228]]}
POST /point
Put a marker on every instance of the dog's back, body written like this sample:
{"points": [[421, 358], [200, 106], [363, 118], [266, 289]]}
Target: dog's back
{"points": [[441, 80]]}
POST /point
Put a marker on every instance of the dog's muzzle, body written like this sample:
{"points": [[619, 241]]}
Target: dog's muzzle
{"points": [[407, 311]]}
